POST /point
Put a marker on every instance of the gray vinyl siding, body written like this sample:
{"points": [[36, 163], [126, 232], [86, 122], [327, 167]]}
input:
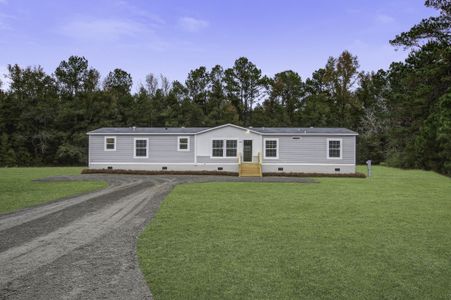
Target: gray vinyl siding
{"points": [[208, 159], [162, 149], [311, 149]]}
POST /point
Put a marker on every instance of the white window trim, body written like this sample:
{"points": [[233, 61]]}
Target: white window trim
{"points": [[104, 143], [147, 147], [341, 148], [178, 144], [211, 148], [264, 148], [224, 148]]}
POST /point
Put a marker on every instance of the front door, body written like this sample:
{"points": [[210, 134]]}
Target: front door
{"points": [[247, 150]]}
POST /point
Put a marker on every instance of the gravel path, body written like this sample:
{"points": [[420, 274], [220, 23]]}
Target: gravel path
{"points": [[84, 247]]}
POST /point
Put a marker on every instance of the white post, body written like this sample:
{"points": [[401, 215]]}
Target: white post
{"points": [[368, 164]]}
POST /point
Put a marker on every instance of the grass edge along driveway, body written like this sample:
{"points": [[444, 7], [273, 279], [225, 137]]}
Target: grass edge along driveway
{"points": [[383, 237], [18, 190]]}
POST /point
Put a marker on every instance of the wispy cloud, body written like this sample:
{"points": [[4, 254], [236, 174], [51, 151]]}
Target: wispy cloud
{"points": [[135, 11], [384, 19], [5, 19], [103, 29], [192, 24], [122, 32]]}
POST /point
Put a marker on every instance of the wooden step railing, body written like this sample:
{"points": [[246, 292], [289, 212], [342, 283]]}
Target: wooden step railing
{"points": [[250, 169], [260, 162], [239, 164]]}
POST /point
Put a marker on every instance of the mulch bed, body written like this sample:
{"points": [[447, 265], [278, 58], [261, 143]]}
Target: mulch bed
{"points": [[216, 173], [147, 172], [292, 174]]}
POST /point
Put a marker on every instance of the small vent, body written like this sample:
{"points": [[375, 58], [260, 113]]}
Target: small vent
{"points": [[337, 169], [110, 168], [220, 168], [296, 138], [164, 168], [280, 169]]}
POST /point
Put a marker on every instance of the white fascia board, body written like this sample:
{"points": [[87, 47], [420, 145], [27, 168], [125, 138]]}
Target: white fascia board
{"points": [[136, 133], [228, 124], [311, 134]]}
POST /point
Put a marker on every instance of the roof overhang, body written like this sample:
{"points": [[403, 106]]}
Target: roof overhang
{"points": [[140, 133], [228, 125], [300, 133], [312, 134]]}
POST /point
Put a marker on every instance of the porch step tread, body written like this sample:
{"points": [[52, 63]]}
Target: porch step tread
{"points": [[250, 170]]}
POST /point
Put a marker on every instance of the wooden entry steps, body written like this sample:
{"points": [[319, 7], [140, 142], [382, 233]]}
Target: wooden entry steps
{"points": [[250, 170]]}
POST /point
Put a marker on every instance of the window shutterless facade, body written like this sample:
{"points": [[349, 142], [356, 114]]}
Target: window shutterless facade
{"points": [[183, 143], [231, 148], [217, 148], [334, 148], [110, 143], [141, 149], [224, 148], [271, 150]]}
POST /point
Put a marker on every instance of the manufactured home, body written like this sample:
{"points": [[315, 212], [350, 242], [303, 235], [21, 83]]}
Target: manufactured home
{"points": [[245, 150]]}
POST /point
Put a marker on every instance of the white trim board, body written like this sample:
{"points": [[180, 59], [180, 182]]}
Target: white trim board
{"points": [[200, 132], [310, 134], [210, 164], [143, 134], [195, 149], [341, 148], [264, 148], [188, 144], [305, 164], [105, 143], [147, 148], [225, 125], [224, 148], [145, 163]]}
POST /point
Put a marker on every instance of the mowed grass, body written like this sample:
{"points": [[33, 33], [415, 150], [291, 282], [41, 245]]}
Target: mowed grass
{"points": [[18, 190], [386, 237]]}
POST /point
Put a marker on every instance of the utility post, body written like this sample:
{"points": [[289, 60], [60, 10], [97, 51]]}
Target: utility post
{"points": [[368, 164]]}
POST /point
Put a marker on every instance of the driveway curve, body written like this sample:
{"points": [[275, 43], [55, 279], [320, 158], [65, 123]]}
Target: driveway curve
{"points": [[84, 247]]}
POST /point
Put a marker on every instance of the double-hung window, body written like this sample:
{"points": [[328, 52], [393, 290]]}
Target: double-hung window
{"points": [[231, 148], [217, 147], [141, 148], [334, 148], [110, 143], [183, 143], [271, 148], [224, 148]]}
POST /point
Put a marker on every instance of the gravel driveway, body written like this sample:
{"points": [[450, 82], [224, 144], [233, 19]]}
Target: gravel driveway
{"points": [[84, 247]]}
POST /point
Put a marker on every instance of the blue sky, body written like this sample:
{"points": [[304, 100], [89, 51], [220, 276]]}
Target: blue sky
{"points": [[173, 37]]}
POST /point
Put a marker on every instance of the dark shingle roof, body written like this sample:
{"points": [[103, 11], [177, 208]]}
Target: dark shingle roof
{"points": [[194, 130], [148, 130], [302, 130]]}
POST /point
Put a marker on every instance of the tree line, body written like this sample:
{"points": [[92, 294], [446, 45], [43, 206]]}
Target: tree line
{"points": [[403, 114]]}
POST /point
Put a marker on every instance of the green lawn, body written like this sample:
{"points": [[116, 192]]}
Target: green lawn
{"points": [[17, 190], [387, 237]]}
